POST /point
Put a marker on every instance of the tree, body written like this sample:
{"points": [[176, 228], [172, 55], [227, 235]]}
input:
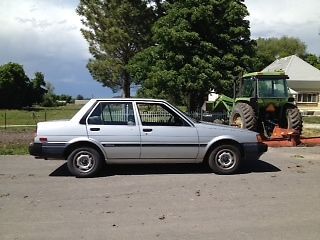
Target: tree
{"points": [[49, 99], [200, 45], [116, 31], [38, 86], [64, 97], [270, 49], [313, 60], [15, 86], [79, 97]]}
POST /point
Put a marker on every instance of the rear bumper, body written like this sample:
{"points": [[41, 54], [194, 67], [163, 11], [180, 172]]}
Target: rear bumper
{"points": [[253, 151], [42, 150]]}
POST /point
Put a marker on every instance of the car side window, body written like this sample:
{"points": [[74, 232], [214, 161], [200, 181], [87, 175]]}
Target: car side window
{"points": [[112, 114], [154, 114]]}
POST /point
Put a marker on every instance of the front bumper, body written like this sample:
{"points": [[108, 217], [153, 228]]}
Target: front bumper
{"points": [[253, 151], [47, 150]]}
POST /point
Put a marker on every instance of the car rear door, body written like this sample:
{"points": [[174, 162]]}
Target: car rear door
{"points": [[114, 125], [165, 135]]}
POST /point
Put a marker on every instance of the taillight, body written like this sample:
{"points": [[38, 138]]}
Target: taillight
{"points": [[43, 139]]}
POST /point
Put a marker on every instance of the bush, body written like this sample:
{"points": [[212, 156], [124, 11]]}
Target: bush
{"points": [[48, 101]]}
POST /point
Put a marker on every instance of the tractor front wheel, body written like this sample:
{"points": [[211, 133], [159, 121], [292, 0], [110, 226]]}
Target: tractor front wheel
{"points": [[243, 116], [294, 119]]}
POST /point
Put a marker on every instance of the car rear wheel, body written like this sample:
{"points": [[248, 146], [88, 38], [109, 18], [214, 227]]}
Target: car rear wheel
{"points": [[224, 159], [84, 162]]}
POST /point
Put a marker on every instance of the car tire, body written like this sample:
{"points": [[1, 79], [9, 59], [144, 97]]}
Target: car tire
{"points": [[84, 162], [224, 159]]}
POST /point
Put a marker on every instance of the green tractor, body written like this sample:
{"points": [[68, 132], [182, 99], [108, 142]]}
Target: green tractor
{"points": [[263, 103]]}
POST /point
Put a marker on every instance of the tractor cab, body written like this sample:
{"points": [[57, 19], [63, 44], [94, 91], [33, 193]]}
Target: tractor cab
{"points": [[264, 85]]}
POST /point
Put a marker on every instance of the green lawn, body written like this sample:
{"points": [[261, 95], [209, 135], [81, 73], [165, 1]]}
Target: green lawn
{"points": [[24, 117], [311, 119]]}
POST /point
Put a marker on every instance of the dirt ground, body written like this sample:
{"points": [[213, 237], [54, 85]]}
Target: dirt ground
{"points": [[19, 137]]}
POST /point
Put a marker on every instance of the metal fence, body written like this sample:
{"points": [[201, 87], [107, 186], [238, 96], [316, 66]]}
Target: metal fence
{"points": [[9, 119], [31, 118], [20, 118], [217, 117]]}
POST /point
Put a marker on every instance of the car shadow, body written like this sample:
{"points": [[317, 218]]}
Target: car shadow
{"points": [[181, 168], [258, 167]]}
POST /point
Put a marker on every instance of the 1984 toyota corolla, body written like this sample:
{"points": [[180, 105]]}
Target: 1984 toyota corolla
{"points": [[116, 131]]}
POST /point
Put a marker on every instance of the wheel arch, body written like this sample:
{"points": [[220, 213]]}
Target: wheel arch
{"points": [[83, 143], [220, 142]]}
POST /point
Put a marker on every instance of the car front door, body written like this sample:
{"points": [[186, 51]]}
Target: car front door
{"points": [[165, 135], [113, 125]]}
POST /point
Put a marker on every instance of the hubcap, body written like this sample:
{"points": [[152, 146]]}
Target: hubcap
{"points": [[225, 159], [84, 161]]}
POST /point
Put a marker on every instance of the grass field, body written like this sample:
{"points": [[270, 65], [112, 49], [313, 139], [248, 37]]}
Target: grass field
{"points": [[25, 117], [15, 140], [311, 119]]}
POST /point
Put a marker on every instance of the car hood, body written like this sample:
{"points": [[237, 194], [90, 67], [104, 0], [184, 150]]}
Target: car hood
{"points": [[209, 125], [213, 130]]}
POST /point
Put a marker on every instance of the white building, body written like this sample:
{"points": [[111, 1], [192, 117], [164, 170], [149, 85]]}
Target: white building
{"points": [[304, 79]]}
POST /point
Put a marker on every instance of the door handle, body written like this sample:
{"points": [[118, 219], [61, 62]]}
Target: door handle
{"points": [[147, 130], [95, 129]]}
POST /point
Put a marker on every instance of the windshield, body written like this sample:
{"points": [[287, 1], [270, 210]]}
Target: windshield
{"points": [[184, 114], [272, 88]]}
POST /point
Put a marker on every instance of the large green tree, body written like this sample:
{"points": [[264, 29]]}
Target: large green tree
{"points": [[15, 86], [16, 89], [199, 46], [116, 31], [270, 49]]}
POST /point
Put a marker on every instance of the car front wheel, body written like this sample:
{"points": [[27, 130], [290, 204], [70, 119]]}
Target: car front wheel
{"points": [[84, 162], [224, 159]]}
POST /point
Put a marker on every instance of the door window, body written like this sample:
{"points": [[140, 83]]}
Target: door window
{"points": [[153, 114], [112, 114]]}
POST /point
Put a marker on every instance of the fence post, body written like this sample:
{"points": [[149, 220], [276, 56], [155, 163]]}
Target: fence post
{"points": [[45, 115]]}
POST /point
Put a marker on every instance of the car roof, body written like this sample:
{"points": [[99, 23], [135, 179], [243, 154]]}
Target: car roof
{"points": [[129, 99]]}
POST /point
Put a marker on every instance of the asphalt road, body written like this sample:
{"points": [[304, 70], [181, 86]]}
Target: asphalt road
{"points": [[276, 198]]}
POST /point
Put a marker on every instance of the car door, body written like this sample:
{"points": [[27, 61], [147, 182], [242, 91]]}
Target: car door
{"points": [[113, 125], [165, 135]]}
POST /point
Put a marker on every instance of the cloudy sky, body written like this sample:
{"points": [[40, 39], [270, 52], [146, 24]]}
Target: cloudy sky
{"points": [[44, 35]]}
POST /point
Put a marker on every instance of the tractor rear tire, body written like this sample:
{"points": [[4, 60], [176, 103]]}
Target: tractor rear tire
{"points": [[294, 119], [243, 116]]}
